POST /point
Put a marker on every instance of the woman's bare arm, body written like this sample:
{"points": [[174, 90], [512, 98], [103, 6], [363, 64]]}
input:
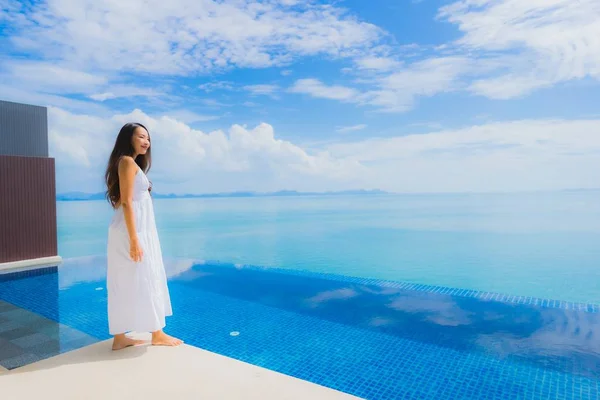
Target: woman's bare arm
{"points": [[127, 170]]}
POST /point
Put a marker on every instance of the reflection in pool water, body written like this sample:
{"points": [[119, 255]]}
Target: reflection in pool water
{"points": [[374, 340]]}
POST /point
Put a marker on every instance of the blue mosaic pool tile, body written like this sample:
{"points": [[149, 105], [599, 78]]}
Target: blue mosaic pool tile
{"points": [[50, 330], [4, 306], [488, 296], [31, 340], [16, 333], [431, 346], [28, 273], [68, 334], [20, 360], [20, 316], [9, 326], [8, 349], [363, 366], [78, 343], [32, 337]]}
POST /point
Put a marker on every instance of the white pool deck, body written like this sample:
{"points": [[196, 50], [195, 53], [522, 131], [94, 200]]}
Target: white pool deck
{"points": [[151, 372]]}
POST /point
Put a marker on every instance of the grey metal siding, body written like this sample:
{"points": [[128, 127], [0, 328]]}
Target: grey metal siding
{"points": [[23, 130]]}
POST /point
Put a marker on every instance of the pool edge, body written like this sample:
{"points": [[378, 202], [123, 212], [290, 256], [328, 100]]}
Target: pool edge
{"points": [[30, 264], [458, 292]]}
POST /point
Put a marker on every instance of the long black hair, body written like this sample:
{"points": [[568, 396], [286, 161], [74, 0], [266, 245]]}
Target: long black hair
{"points": [[124, 147]]}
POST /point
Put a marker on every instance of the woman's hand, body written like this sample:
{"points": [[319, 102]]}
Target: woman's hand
{"points": [[135, 250]]}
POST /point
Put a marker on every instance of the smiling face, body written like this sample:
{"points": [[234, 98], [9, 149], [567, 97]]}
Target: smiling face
{"points": [[140, 141]]}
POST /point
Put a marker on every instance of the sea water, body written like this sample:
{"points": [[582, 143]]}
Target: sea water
{"points": [[528, 244]]}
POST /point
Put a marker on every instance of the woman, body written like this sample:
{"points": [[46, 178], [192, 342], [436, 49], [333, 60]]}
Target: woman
{"points": [[138, 296]]}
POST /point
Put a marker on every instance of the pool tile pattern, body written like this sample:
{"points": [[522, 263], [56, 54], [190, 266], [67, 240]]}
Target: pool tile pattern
{"points": [[27, 337], [25, 273], [374, 339], [368, 363], [482, 295]]}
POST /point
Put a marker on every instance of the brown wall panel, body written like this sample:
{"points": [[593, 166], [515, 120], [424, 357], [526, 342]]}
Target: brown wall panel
{"points": [[27, 208]]}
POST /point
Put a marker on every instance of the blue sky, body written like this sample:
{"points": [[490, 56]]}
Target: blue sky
{"points": [[405, 96]]}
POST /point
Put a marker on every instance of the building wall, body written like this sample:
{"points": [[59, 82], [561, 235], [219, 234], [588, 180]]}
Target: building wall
{"points": [[27, 208], [27, 185], [23, 130]]}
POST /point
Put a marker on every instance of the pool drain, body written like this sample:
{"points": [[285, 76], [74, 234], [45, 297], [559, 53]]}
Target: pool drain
{"points": [[234, 333]]}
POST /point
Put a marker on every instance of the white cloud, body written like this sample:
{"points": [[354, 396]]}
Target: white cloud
{"points": [[101, 49], [47, 77], [537, 43], [12, 93], [219, 85], [7, 7], [78, 141], [239, 159], [345, 129], [427, 77], [116, 91], [265, 90], [187, 36], [508, 48], [508, 86], [42, 81], [377, 63], [286, 72], [395, 92], [509, 156], [256, 90], [316, 88], [189, 117], [103, 96], [214, 103]]}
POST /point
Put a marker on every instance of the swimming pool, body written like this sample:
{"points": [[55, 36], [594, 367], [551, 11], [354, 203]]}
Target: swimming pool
{"points": [[374, 339]]}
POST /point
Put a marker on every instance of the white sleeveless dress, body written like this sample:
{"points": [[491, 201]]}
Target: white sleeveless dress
{"points": [[138, 296]]}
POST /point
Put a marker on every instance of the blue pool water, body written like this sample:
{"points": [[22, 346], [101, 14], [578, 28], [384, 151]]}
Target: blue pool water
{"points": [[373, 339], [529, 244]]}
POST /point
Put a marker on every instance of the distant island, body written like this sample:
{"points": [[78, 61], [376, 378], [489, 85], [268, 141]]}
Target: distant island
{"points": [[81, 196]]}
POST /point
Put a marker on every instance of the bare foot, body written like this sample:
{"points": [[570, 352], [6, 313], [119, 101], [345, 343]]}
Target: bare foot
{"points": [[122, 341], [162, 339]]}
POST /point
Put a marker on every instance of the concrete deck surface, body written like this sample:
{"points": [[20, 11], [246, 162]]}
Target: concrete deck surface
{"points": [[149, 372]]}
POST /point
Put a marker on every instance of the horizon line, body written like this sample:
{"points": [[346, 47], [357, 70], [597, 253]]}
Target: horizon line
{"points": [[95, 195]]}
